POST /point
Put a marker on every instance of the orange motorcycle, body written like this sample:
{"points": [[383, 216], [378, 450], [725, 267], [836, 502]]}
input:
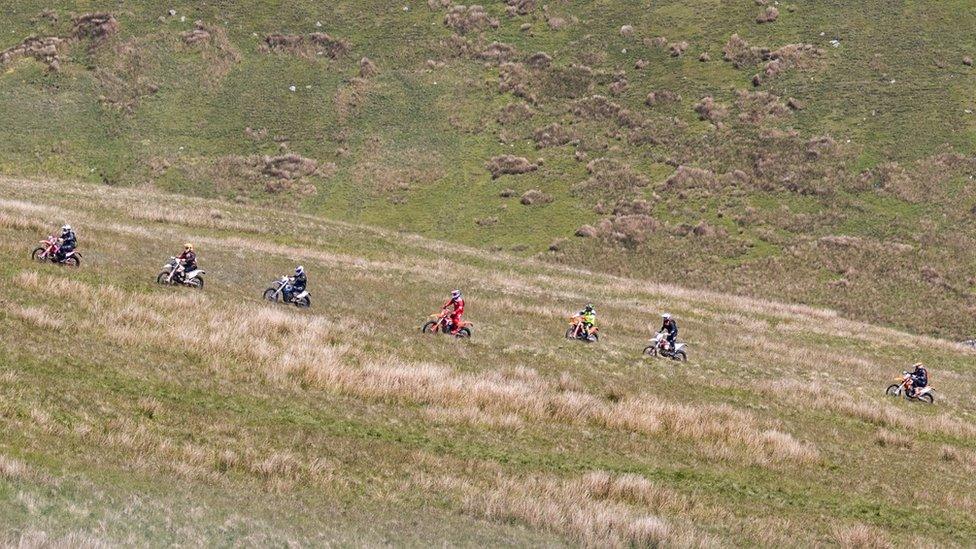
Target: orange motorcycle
{"points": [[577, 330], [440, 323]]}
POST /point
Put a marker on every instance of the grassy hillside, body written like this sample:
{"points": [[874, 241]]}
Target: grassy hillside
{"points": [[842, 178], [134, 413]]}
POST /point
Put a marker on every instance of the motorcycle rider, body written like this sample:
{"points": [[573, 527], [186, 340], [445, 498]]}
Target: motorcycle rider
{"points": [[669, 327], [919, 378], [588, 318], [187, 261], [67, 242], [296, 284], [457, 302]]}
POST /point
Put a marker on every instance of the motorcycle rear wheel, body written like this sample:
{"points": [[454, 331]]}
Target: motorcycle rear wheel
{"points": [[304, 303], [892, 390], [464, 333], [927, 398], [195, 282], [73, 261]]}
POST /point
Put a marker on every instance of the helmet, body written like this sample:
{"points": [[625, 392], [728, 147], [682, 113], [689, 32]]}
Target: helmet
{"points": [[918, 365], [65, 228], [456, 294], [188, 246], [589, 308], [666, 316], [299, 270]]}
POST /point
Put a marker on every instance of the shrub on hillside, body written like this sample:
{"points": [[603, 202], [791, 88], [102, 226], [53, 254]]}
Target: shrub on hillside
{"points": [[535, 197], [463, 19], [508, 164], [711, 110]]}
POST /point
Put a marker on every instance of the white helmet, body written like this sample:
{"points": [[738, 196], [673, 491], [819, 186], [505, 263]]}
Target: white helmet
{"points": [[456, 294], [66, 227], [666, 316], [299, 270]]}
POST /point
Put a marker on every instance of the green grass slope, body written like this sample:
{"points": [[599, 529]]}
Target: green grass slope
{"points": [[842, 179], [139, 414]]}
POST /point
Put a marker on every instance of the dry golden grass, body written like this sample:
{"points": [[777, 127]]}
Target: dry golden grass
{"points": [[860, 536], [565, 508], [14, 469]]}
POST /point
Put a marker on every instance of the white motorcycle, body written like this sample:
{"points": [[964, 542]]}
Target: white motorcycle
{"points": [[173, 275], [903, 388], [659, 347], [276, 293]]}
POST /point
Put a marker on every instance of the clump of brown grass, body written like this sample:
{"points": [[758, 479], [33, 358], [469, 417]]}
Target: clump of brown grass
{"points": [[520, 7], [216, 47], [37, 316], [95, 26], [567, 82], [738, 52], [535, 197], [768, 15], [516, 79], [508, 164], [565, 508], [367, 68], [14, 469], [464, 19], [514, 113], [677, 49], [611, 177], [888, 439], [45, 49], [758, 107], [554, 135], [274, 174], [539, 60], [659, 97], [711, 110], [690, 177], [498, 52], [307, 45], [860, 536]]}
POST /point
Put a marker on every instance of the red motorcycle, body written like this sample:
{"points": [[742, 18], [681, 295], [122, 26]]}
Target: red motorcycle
{"points": [[48, 251], [441, 323]]}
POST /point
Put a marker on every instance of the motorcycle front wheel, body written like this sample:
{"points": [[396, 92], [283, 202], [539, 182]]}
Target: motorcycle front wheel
{"points": [[162, 277], [464, 332], [570, 333], [73, 261], [650, 350], [270, 294], [892, 390], [38, 254], [680, 356], [428, 327]]}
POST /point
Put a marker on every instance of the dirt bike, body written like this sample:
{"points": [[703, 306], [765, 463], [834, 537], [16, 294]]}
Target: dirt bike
{"points": [[277, 293], [173, 275], [441, 323], [48, 251], [576, 330], [659, 347], [903, 387]]}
